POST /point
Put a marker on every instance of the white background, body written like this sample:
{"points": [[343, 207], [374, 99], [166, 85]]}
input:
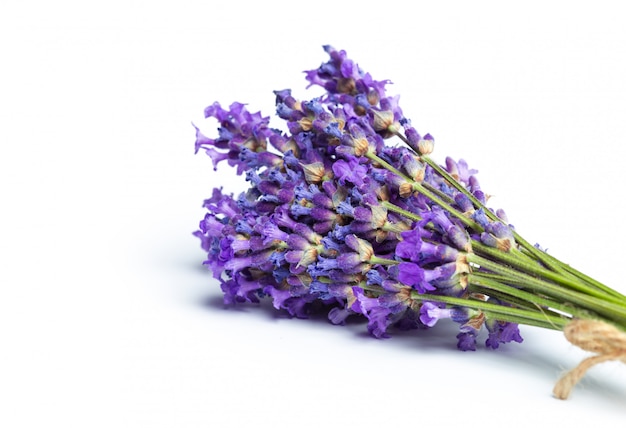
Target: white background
{"points": [[107, 318]]}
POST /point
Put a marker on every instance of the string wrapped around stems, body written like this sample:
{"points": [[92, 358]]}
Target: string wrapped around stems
{"points": [[606, 341]]}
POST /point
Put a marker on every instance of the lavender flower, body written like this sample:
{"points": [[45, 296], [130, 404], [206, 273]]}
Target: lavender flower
{"points": [[337, 216]]}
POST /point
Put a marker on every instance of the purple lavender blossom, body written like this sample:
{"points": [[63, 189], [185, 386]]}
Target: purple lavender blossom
{"points": [[502, 332], [431, 312], [413, 275], [467, 339]]}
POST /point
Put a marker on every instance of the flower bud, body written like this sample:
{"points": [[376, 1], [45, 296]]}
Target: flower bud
{"points": [[414, 168], [498, 235], [314, 172], [426, 145], [382, 120], [372, 97], [405, 189], [361, 246], [459, 237]]}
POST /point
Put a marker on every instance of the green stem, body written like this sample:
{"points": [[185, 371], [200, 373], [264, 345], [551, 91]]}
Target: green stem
{"points": [[588, 279], [608, 309], [532, 322], [396, 209], [534, 269], [375, 260], [484, 280], [502, 297]]}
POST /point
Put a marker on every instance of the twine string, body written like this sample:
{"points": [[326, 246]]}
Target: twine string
{"points": [[601, 338]]}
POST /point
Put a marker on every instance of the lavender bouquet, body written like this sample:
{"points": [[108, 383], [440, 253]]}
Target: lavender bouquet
{"points": [[336, 218]]}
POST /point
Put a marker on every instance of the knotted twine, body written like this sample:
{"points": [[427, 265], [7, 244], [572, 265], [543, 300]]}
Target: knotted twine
{"points": [[605, 340]]}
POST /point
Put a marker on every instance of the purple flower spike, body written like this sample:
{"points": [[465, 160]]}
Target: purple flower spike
{"points": [[501, 332], [467, 340], [239, 130]]}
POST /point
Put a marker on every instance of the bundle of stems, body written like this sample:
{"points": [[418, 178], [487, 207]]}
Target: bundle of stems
{"points": [[337, 215]]}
